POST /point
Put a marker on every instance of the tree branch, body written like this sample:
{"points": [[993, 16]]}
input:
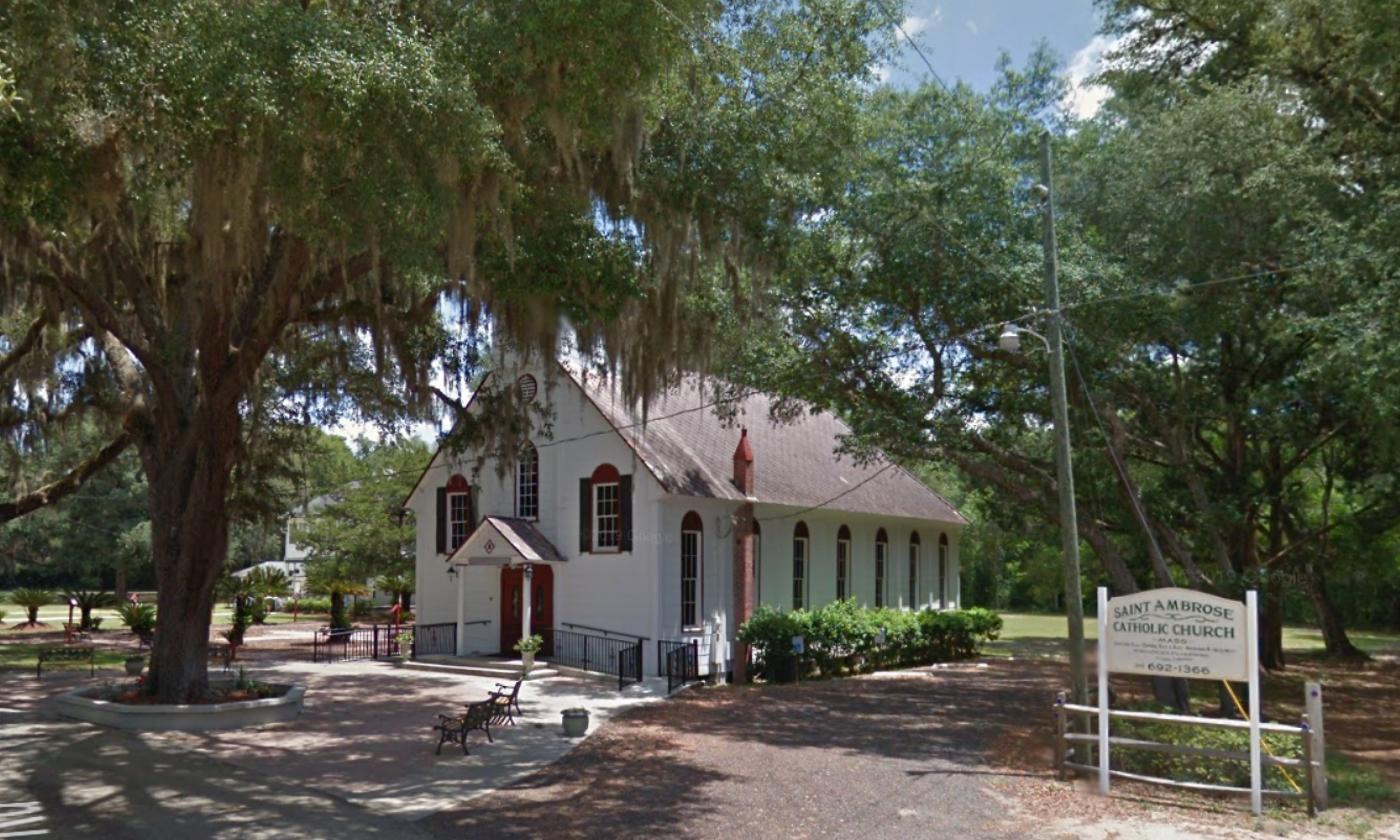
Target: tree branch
{"points": [[56, 490]]}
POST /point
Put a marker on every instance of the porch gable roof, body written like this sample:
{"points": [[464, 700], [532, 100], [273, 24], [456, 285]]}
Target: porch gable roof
{"points": [[499, 540]]}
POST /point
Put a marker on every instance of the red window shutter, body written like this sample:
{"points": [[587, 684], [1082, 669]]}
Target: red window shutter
{"points": [[625, 511]]}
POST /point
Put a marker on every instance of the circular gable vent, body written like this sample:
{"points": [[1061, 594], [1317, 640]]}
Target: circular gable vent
{"points": [[527, 387]]}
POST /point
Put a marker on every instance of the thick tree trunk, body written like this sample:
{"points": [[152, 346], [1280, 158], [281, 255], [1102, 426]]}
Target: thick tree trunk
{"points": [[1329, 621], [189, 484]]}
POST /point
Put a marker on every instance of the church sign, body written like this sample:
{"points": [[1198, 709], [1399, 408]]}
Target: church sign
{"points": [[1177, 633]]}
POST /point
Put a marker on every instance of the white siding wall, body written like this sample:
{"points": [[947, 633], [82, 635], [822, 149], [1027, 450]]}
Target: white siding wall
{"points": [[614, 591], [638, 592]]}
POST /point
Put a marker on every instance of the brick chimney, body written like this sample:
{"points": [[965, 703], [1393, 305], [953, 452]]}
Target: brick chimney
{"points": [[743, 464], [744, 594]]}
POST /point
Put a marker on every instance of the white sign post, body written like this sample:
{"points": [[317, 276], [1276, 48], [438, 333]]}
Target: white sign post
{"points": [[1176, 632]]}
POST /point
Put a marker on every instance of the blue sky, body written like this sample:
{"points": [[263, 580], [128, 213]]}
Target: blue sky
{"points": [[963, 38]]}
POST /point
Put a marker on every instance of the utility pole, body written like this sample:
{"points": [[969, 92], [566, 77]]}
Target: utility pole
{"points": [[1064, 471]]}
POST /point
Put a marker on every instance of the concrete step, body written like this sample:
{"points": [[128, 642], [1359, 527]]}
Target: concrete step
{"points": [[499, 669]]}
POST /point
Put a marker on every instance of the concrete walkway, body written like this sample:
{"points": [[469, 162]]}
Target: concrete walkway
{"points": [[358, 763]]}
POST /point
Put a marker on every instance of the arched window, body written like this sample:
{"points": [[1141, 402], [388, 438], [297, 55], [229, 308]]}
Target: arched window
{"points": [[943, 571], [527, 483], [843, 563], [757, 563], [800, 555], [882, 551], [607, 508], [459, 512], [692, 556], [914, 548]]}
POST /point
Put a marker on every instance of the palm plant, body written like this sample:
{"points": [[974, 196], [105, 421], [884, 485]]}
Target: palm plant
{"points": [[140, 619], [328, 579], [88, 600], [32, 600], [398, 583]]}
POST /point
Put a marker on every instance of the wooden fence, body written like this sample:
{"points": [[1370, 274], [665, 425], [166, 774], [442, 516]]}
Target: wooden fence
{"points": [[1313, 764]]}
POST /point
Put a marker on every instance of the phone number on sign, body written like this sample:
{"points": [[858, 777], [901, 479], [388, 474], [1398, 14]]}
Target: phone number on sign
{"points": [[1169, 668]]}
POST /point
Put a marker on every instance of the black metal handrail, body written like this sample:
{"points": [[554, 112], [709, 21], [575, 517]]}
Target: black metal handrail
{"points": [[622, 657], [573, 626], [376, 641], [680, 661], [435, 639]]}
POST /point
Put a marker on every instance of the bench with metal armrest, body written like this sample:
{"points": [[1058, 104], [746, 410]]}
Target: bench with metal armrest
{"points": [[59, 655], [454, 729]]}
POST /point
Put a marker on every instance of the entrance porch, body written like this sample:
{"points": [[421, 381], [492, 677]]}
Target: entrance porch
{"points": [[525, 560]]}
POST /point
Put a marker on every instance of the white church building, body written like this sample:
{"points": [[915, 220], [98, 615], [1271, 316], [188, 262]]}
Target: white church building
{"points": [[669, 530]]}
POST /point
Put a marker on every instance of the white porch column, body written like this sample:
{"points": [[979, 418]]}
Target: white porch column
{"points": [[461, 611], [527, 595]]}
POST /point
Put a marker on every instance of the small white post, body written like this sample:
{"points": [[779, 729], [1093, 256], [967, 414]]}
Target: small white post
{"points": [[461, 612], [525, 608], [1103, 690], [1256, 770], [1312, 693]]}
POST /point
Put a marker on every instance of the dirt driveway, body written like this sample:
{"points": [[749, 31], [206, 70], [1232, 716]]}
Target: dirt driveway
{"points": [[957, 751], [887, 755]]}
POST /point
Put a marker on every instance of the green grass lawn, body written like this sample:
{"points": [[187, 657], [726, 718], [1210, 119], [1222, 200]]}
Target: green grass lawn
{"points": [[55, 615], [1037, 635], [26, 656]]}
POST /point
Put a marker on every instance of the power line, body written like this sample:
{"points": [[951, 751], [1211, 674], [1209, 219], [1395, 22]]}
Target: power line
{"points": [[837, 497], [899, 25]]}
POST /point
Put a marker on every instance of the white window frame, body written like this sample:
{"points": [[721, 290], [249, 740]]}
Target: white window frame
{"points": [[464, 523], [600, 519], [694, 578], [799, 582], [843, 569], [527, 485], [942, 573], [882, 572]]}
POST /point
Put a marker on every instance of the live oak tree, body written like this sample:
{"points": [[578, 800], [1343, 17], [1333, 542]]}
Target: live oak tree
{"points": [[1231, 291], [216, 219]]}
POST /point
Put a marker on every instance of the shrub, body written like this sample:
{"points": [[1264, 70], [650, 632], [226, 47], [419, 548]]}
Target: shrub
{"points": [[314, 605], [1196, 768], [140, 619], [843, 637], [32, 600]]}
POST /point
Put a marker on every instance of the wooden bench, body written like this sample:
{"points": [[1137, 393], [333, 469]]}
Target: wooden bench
{"points": [[61, 655], [478, 716], [507, 701]]}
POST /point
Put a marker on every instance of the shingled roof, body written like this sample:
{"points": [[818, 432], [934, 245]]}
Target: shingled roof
{"points": [[690, 449]]}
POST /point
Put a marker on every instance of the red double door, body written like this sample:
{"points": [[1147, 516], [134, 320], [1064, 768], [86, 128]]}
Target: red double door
{"points": [[512, 605]]}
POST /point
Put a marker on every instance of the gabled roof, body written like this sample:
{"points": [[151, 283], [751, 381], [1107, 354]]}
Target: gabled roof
{"points": [[517, 538], [690, 450]]}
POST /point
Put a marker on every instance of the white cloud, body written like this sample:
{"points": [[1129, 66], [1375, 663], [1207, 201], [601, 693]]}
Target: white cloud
{"points": [[971, 26], [914, 25], [1084, 97]]}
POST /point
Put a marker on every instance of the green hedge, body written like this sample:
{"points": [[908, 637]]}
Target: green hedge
{"points": [[844, 637]]}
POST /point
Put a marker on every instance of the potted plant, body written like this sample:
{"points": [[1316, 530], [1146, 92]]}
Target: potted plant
{"points": [[575, 722], [527, 647], [134, 665]]}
